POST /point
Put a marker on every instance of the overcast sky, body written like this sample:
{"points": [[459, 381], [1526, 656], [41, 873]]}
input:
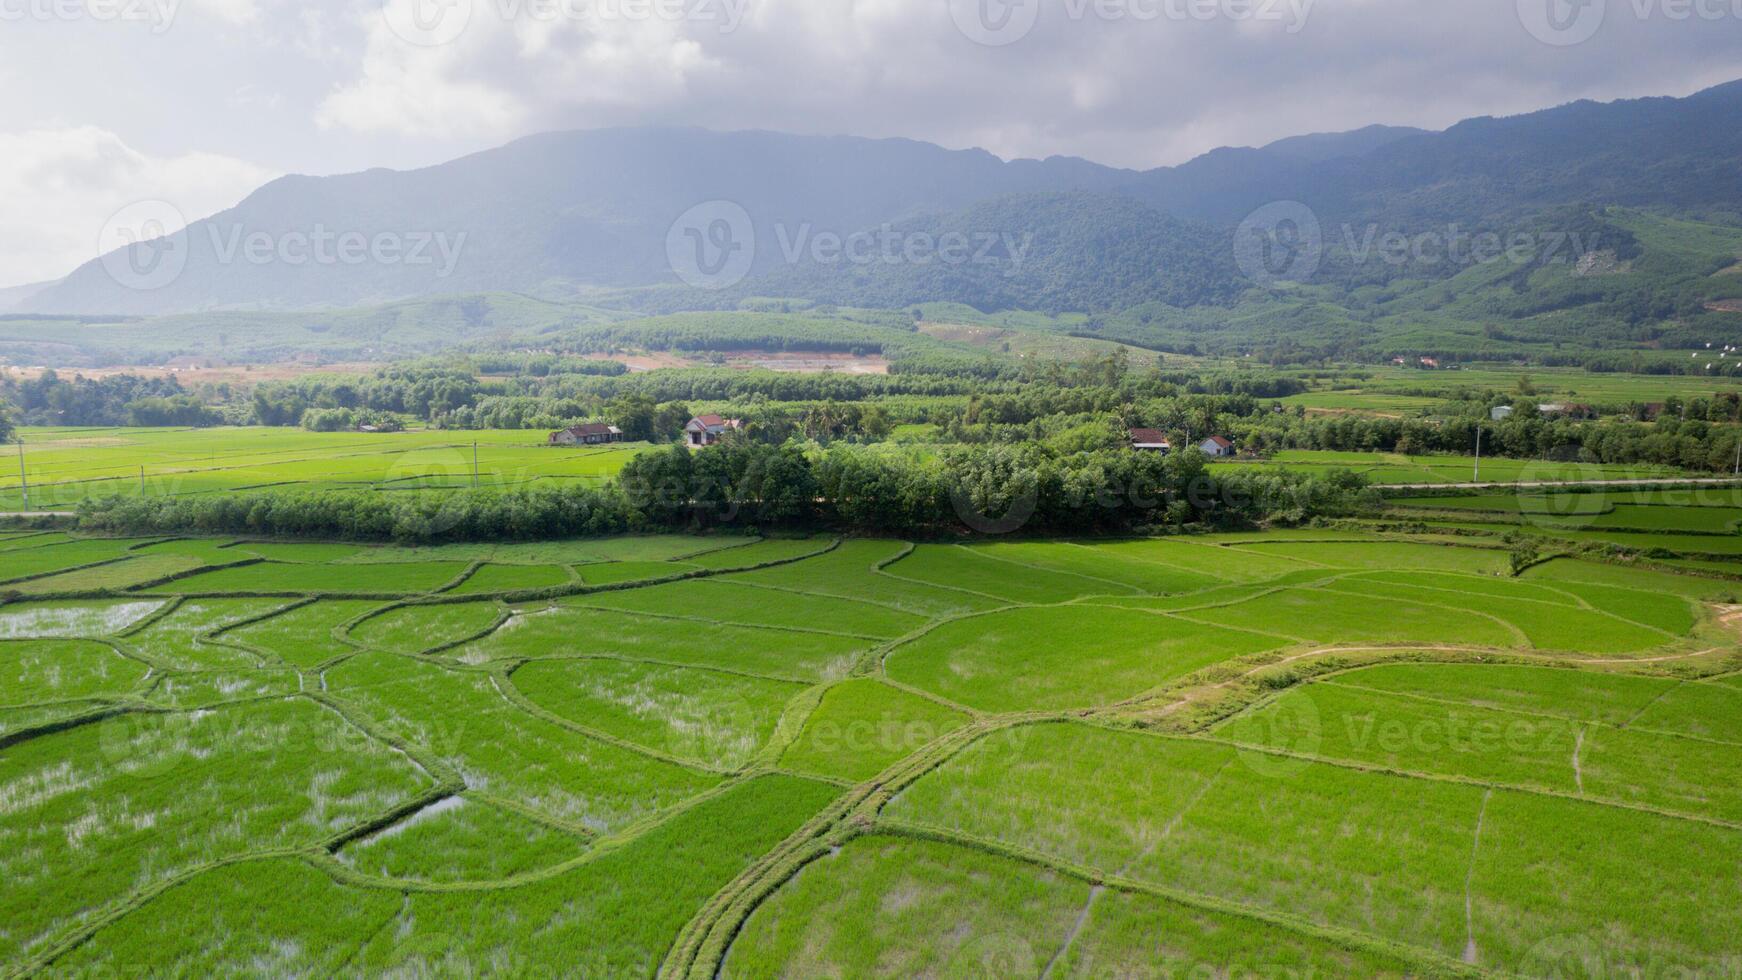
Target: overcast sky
{"points": [[197, 102]]}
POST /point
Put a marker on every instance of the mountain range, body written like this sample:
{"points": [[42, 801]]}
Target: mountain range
{"points": [[575, 215]]}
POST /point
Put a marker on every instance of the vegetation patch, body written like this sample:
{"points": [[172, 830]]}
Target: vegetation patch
{"points": [[862, 726], [615, 915], [178, 639], [95, 617], [851, 571], [886, 906], [1557, 881], [469, 723], [618, 572], [461, 838], [566, 630], [415, 629], [960, 567], [27, 562], [714, 718], [279, 915], [512, 578], [1328, 617], [757, 553], [299, 551], [161, 794], [208, 688], [1119, 571], [287, 578], [1062, 657], [303, 636], [1388, 555], [728, 602], [63, 670]]}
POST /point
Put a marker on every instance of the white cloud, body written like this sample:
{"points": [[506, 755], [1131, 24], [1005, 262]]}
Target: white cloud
{"points": [[324, 86], [233, 12], [59, 186], [1157, 85]]}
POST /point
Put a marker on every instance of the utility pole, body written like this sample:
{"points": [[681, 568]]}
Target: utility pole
{"points": [[474, 464], [1477, 478], [142, 481], [23, 480], [1739, 457]]}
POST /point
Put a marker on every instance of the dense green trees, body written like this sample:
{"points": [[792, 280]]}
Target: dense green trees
{"points": [[51, 399], [1694, 444], [187, 410], [743, 483]]}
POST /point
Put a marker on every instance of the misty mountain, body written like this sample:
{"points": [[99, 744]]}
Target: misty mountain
{"points": [[1681, 154], [584, 207], [556, 214], [1319, 147], [1055, 252], [13, 297]]}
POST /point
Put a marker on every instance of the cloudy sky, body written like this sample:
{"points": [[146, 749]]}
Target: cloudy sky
{"points": [[197, 102]]}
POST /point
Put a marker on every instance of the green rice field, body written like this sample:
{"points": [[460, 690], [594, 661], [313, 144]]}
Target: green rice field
{"points": [[1315, 752], [63, 466], [1698, 527], [1394, 469]]}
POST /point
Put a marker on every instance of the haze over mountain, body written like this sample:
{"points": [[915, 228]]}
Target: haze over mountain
{"points": [[556, 214]]}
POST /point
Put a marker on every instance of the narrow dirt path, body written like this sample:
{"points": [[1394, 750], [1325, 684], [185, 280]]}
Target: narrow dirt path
{"points": [[1470, 951]]}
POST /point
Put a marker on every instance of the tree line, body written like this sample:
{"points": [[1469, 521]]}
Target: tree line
{"points": [[746, 484]]}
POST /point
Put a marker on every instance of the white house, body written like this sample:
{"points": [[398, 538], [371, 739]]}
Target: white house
{"points": [[1216, 446], [705, 430]]}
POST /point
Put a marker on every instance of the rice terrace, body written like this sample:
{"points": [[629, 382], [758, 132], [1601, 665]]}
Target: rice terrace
{"points": [[1287, 753], [862, 489]]}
